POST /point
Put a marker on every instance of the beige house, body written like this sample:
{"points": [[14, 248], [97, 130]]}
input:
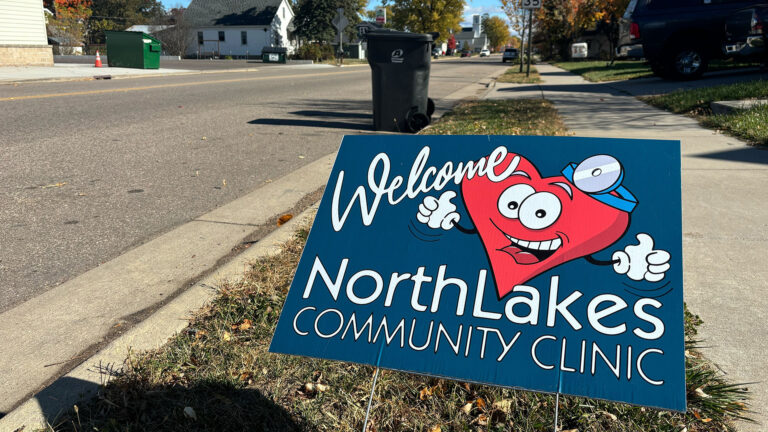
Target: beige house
{"points": [[23, 41]]}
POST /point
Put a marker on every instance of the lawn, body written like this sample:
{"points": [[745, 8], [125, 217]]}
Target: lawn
{"points": [[748, 124], [502, 117], [512, 75], [597, 71], [218, 376]]}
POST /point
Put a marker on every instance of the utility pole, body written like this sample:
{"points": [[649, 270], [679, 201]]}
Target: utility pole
{"points": [[530, 33]]}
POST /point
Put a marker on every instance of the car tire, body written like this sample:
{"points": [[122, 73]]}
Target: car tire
{"points": [[686, 61]]}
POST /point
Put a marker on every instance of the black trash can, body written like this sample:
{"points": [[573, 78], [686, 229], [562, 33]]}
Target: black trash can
{"points": [[400, 63]]}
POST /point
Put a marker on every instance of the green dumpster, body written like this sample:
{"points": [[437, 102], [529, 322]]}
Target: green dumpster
{"points": [[273, 54], [133, 50]]}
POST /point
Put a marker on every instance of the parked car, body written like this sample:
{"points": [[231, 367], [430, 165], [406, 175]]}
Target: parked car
{"points": [[678, 38], [745, 33], [436, 52], [509, 55], [465, 53], [485, 53]]}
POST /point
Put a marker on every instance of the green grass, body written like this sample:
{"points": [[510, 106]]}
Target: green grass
{"points": [[749, 125], [597, 71], [696, 101], [512, 75], [601, 70], [500, 117], [219, 373]]}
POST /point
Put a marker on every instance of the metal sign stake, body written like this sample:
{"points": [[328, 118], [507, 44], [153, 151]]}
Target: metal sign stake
{"points": [[557, 405], [373, 388]]}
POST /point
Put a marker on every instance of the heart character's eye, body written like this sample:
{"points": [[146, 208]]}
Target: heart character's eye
{"points": [[540, 210], [512, 198]]}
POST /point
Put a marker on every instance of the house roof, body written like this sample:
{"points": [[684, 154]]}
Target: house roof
{"points": [[209, 13], [147, 28]]}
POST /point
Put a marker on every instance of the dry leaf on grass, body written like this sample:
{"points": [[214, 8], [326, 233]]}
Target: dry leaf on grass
{"points": [[245, 325], [467, 408], [435, 429], [227, 336], [425, 393]]}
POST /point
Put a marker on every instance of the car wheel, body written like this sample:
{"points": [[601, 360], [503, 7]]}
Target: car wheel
{"points": [[686, 61]]}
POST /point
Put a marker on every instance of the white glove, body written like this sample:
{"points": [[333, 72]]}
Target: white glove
{"points": [[641, 261], [438, 213]]}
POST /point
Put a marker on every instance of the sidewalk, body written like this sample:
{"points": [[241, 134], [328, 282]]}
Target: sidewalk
{"points": [[724, 215]]}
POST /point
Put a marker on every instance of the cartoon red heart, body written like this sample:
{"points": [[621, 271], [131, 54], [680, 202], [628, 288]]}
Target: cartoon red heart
{"points": [[529, 224]]}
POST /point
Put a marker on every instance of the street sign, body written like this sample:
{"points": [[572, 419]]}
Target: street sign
{"points": [[550, 264], [381, 15], [531, 4], [340, 21]]}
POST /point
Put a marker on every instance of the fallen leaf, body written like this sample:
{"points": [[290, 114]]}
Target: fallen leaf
{"points": [[201, 333], [480, 403], [284, 218], [59, 184], [224, 182], [190, 413], [321, 387], [425, 393], [503, 404], [467, 408], [609, 415], [700, 393], [301, 156], [204, 138], [706, 420], [435, 429], [245, 376], [482, 419], [227, 336], [309, 388], [245, 325], [696, 414]]}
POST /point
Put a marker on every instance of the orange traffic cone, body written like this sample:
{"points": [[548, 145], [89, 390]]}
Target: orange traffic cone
{"points": [[98, 60]]}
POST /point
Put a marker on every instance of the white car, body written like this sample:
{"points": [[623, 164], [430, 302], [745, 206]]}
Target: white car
{"points": [[485, 53]]}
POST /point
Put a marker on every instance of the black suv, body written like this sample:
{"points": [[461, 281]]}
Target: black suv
{"points": [[678, 37]]}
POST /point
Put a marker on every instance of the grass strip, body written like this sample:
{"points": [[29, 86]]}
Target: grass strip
{"points": [[218, 376], [696, 101], [750, 125], [512, 75], [500, 117], [601, 70]]}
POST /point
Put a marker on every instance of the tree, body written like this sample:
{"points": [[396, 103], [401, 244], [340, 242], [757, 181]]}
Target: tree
{"points": [[121, 14], [68, 23], [517, 20], [452, 43], [177, 37], [497, 31], [427, 16], [314, 19]]}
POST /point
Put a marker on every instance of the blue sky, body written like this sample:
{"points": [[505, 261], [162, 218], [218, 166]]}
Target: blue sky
{"points": [[492, 7]]}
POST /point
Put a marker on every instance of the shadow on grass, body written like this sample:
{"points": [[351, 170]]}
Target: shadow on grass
{"points": [[201, 407]]}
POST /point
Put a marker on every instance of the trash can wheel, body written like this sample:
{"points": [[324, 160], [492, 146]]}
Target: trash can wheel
{"points": [[416, 121]]}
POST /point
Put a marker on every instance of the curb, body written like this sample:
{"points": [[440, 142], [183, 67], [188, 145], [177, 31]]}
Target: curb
{"points": [[84, 381]]}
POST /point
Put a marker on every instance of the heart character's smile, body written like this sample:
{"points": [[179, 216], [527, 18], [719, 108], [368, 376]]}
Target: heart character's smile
{"points": [[529, 251]]}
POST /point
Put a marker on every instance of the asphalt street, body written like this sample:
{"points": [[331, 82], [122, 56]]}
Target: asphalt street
{"points": [[91, 169]]}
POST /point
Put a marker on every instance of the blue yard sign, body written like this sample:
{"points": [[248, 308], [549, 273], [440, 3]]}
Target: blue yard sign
{"points": [[550, 264]]}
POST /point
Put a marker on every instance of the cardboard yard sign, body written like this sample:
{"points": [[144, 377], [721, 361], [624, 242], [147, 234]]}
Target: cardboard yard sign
{"points": [[550, 264]]}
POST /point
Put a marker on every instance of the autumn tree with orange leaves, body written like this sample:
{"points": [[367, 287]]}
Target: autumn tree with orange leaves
{"points": [[68, 25], [559, 22]]}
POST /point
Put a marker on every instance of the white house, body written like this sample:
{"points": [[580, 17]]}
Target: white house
{"points": [[23, 41], [237, 27], [473, 37]]}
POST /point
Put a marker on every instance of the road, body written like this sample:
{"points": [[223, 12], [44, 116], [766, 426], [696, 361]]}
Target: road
{"points": [[92, 169]]}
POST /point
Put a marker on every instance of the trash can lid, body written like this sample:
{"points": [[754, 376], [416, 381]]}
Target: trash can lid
{"points": [[394, 34]]}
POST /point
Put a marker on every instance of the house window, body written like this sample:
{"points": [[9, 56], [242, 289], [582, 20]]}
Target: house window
{"points": [[244, 37], [199, 38], [221, 36]]}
